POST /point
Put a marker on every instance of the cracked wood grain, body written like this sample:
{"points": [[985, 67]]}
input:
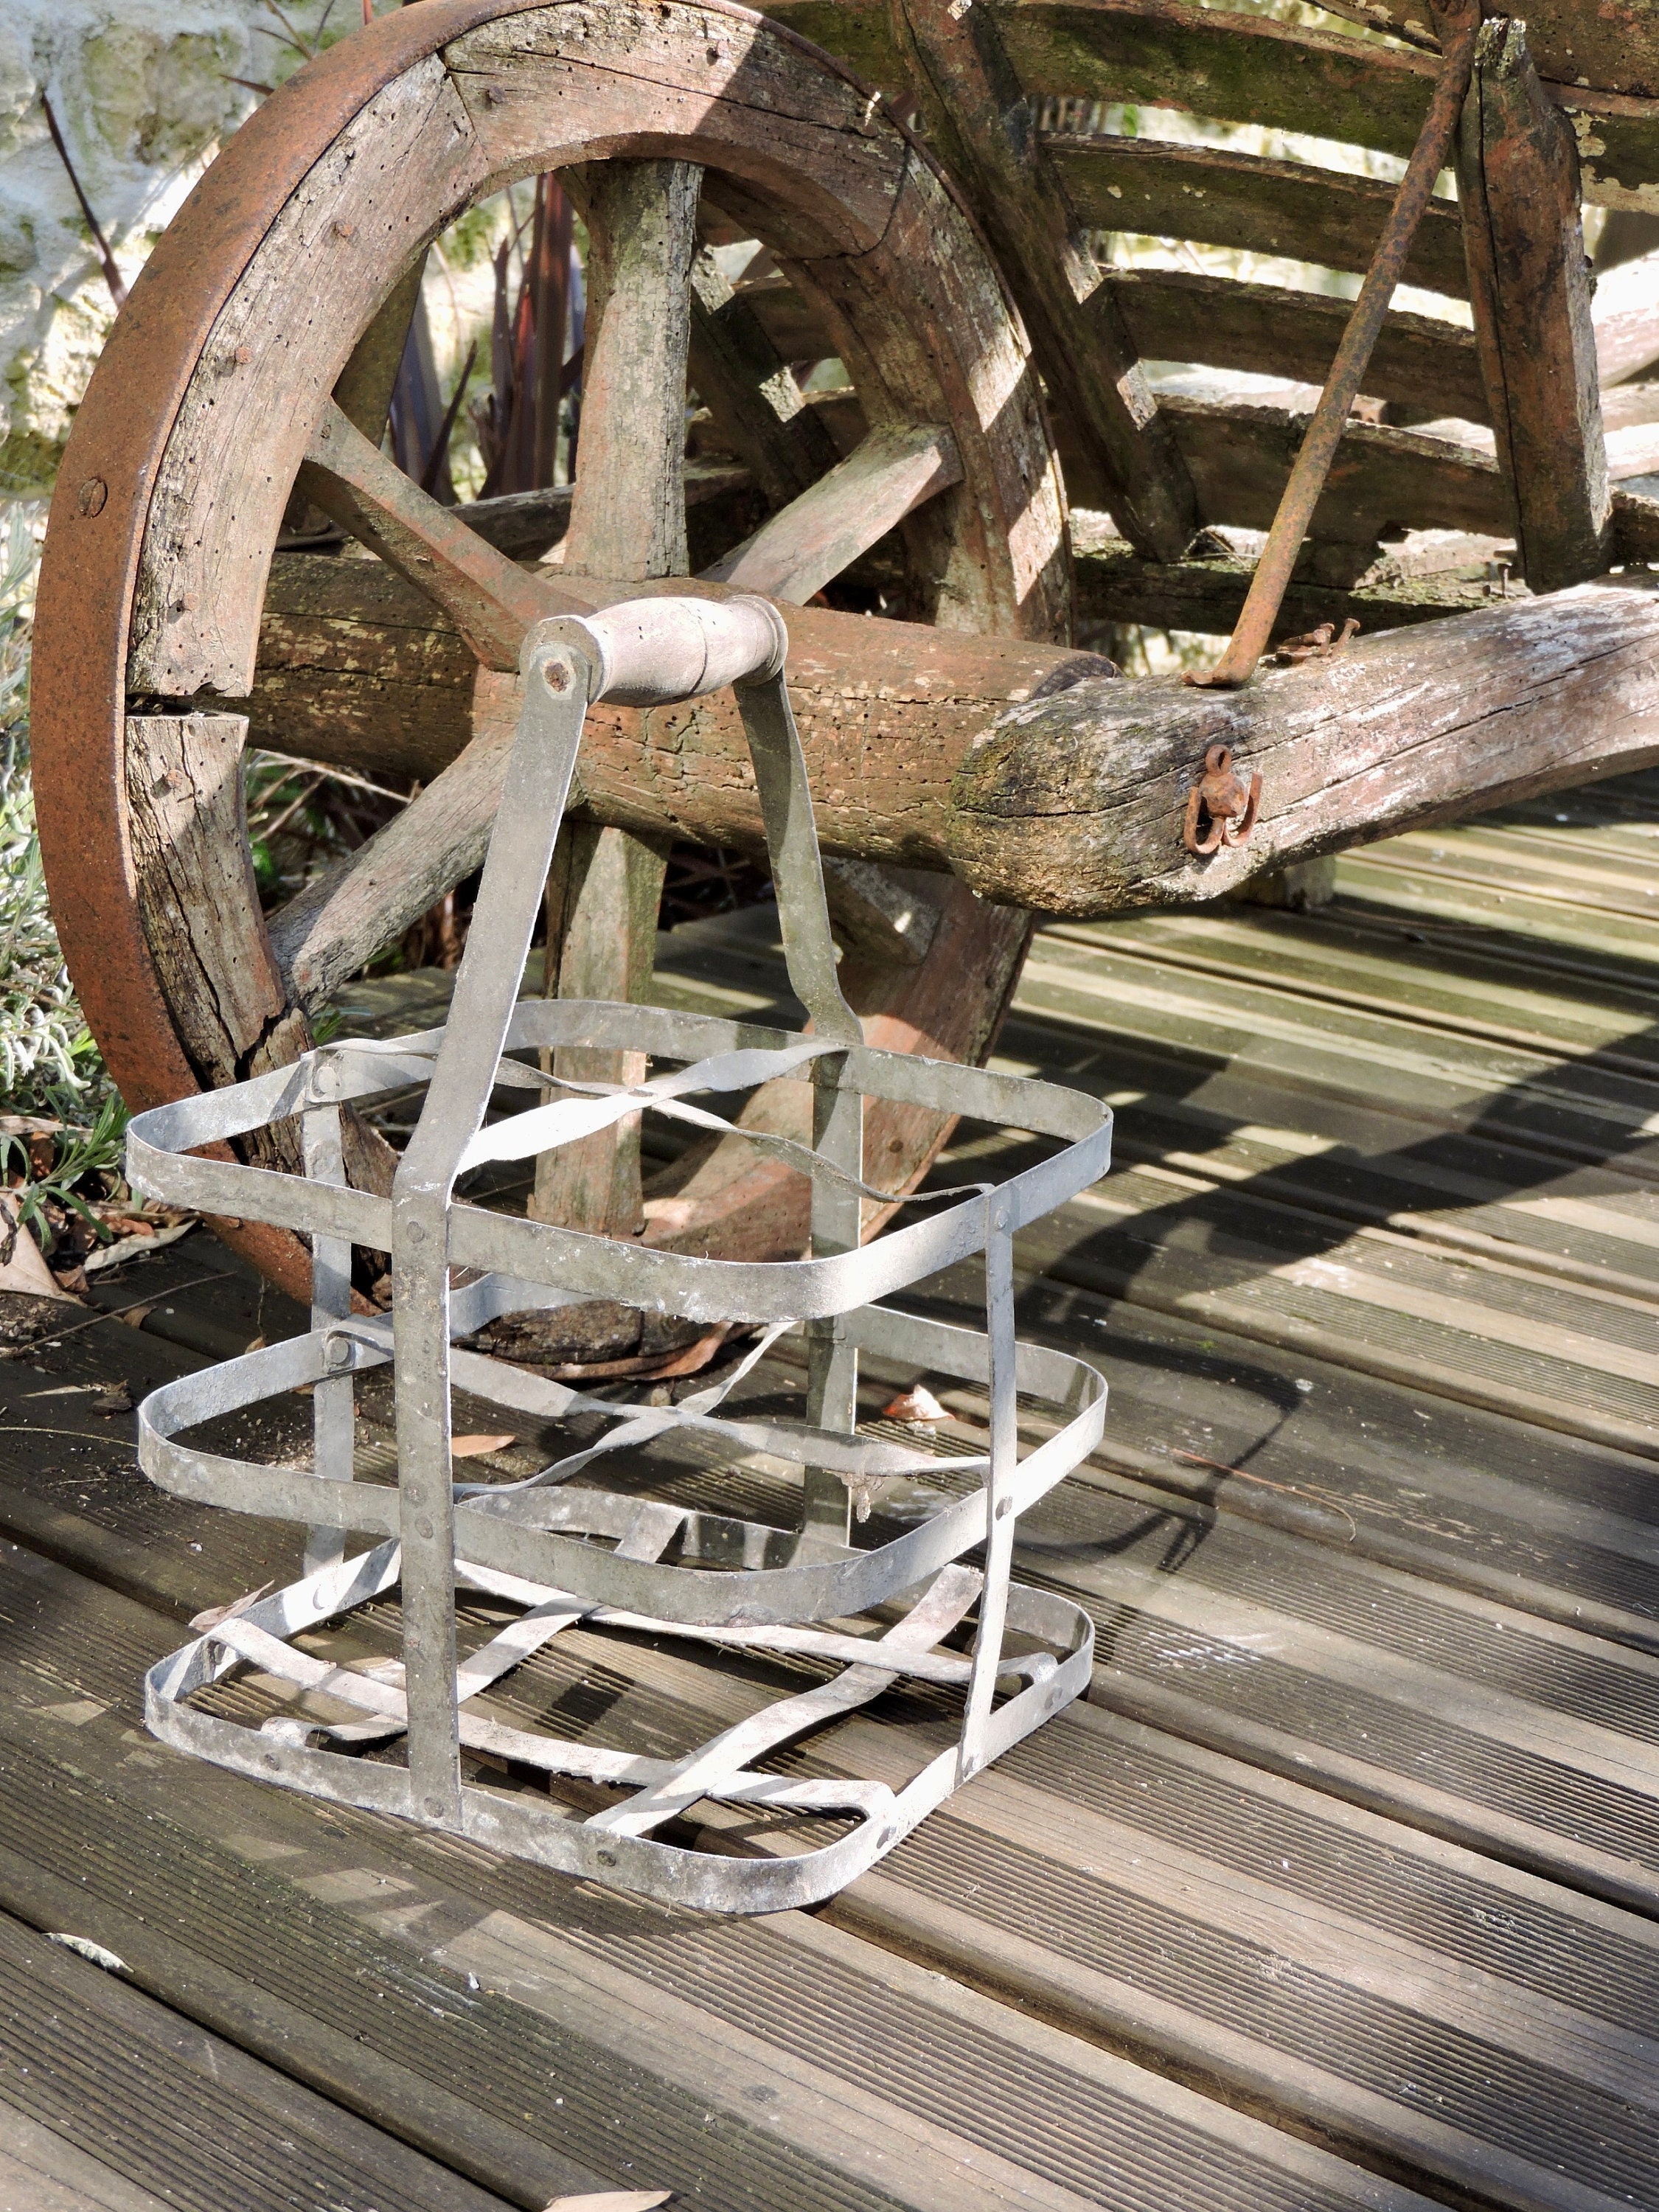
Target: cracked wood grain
{"points": [[1222, 197], [627, 521], [1178, 314], [1517, 174], [1074, 802], [977, 114], [1245, 68], [194, 883]]}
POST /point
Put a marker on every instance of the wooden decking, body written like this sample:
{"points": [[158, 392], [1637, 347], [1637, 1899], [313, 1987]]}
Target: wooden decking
{"points": [[1338, 1893]]}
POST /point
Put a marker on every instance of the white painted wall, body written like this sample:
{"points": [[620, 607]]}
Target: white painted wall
{"points": [[142, 92]]}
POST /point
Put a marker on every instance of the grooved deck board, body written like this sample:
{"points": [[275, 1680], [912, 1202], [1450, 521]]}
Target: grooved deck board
{"points": [[757, 2064], [1339, 1891], [135, 2091], [1130, 1877]]}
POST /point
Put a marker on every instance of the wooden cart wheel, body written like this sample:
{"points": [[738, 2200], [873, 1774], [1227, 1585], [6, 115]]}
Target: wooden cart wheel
{"points": [[258, 341]]}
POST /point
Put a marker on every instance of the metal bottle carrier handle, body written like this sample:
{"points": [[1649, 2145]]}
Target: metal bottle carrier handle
{"points": [[564, 1551]]}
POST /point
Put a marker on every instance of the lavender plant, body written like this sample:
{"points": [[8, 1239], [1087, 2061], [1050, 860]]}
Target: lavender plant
{"points": [[49, 1063]]}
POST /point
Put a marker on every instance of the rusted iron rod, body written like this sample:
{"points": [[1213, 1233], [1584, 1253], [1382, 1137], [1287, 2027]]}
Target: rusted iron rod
{"points": [[1459, 23]]}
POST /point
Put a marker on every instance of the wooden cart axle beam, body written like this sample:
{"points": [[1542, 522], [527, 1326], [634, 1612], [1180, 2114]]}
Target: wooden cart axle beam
{"points": [[931, 750]]}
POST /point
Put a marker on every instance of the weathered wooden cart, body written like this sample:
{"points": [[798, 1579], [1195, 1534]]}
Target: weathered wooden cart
{"points": [[968, 740]]}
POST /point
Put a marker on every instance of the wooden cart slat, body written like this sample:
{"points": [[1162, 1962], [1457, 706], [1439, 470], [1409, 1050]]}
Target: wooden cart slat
{"points": [[1240, 67], [1222, 197]]}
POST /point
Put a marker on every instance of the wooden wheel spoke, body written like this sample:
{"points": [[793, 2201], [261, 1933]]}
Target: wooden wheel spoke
{"points": [[887, 475], [628, 521], [628, 510], [746, 384], [490, 600], [344, 919]]}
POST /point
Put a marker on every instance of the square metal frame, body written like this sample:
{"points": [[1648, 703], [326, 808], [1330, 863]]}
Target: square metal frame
{"points": [[566, 1552]]}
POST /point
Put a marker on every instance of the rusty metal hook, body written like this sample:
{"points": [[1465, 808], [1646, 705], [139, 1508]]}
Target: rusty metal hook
{"points": [[1316, 644], [1229, 805]]}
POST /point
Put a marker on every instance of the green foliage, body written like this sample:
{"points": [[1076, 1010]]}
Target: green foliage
{"points": [[50, 1068], [81, 1153], [46, 1052]]}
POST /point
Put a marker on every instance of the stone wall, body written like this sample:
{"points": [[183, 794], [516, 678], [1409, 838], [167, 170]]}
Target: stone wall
{"points": [[144, 92]]}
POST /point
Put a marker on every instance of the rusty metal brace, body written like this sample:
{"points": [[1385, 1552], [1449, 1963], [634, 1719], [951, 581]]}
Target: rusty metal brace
{"points": [[1317, 644], [1221, 800], [1458, 23]]}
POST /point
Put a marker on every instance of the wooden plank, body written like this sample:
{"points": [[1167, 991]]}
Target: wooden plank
{"points": [[1504, 1089], [405, 1967], [1216, 1879], [1188, 1843], [1627, 408], [1240, 455], [1561, 869], [1575, 43], [425, 2090], [131, 2090], [827, 528], [1557, 1124], [1225, 198], [1162, 53], [977, 113], [1470, 1326], [1176, 314], [1566, 681], [45, 2173], [1443, 903], [1246, 68], [1182, 1892], [1280, 1085], [742, 375], [628, 521], [1517, 171], [1205, 594]]}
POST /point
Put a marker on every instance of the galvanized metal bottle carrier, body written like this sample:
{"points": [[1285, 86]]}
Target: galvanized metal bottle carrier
{"points": [[563, 1551]]}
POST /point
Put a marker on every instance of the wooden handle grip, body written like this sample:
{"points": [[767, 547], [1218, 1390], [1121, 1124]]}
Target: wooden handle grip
{"points": [[650, 653]]}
